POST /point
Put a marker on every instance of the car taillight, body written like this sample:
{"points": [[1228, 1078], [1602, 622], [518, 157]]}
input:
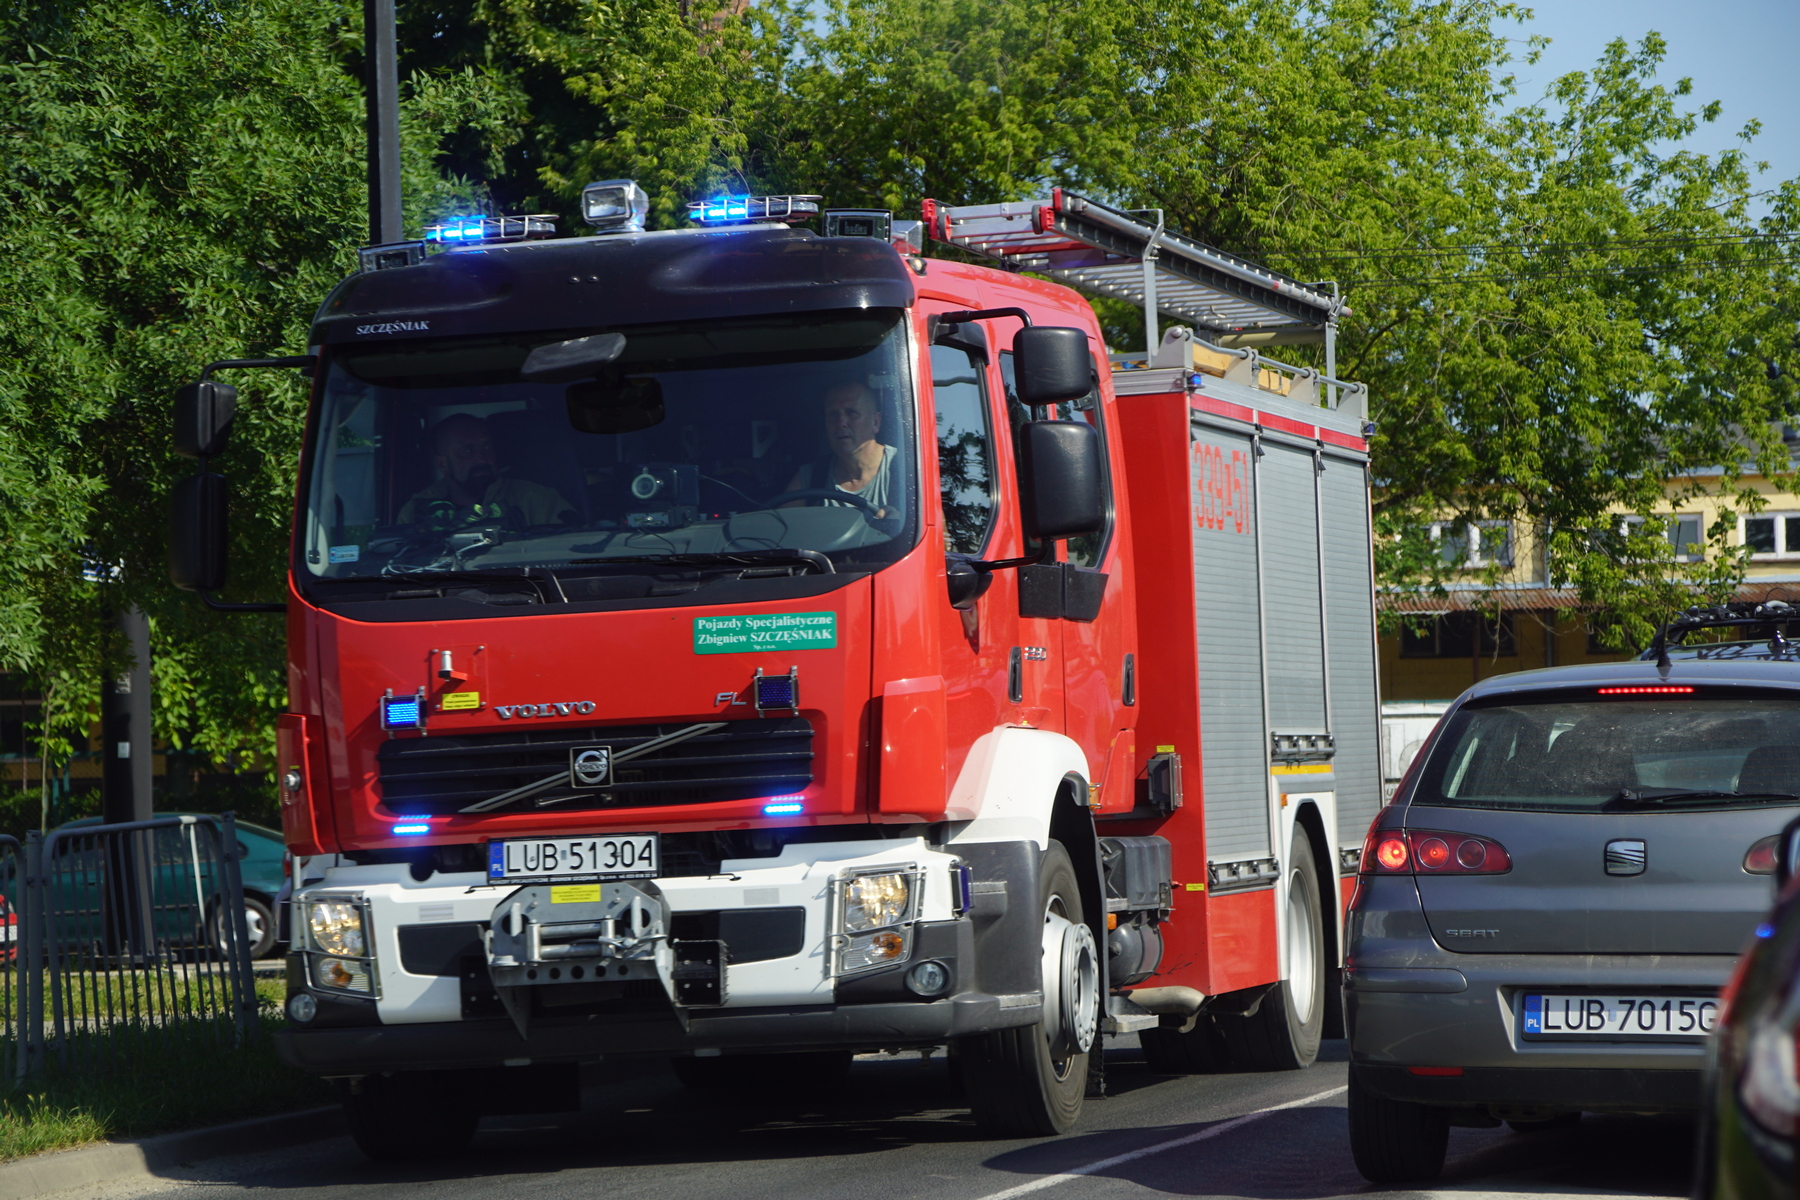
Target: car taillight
{"points": [[1760, 858], [287, 864], [1432, 852], [1769, 1088]]}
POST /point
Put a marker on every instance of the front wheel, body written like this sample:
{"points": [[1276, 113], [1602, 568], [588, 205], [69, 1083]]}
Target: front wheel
{"points": [[1030, 1081], [411, 1115]]}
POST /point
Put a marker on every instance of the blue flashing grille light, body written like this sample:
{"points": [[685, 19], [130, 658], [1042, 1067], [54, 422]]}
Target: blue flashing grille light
{"points": [[737, 210], [411, 828], [777, 691], [403, 712], [783, 806]]}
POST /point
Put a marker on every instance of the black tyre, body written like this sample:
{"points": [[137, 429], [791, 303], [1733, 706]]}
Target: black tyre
{"points": [[1562, 1121], [1016, 1083], [1393, 1141], [1198, 1051], [812, 1070], [412, 1115], [1283, 1033], [259, 924]]}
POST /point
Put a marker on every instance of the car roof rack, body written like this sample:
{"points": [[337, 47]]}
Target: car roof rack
{"points": [[1732, 613]]}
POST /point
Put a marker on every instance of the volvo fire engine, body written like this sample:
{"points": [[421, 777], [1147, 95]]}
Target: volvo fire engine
{"points": [[763, 642]]}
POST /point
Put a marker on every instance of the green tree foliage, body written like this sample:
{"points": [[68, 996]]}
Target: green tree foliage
{"points": [[182, 184], [1555, 306]]}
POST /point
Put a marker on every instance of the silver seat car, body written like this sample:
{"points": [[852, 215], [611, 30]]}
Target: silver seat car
{"points": [[1548, 908]]}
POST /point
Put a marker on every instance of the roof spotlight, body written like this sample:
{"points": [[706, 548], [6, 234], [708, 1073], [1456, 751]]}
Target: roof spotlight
{"points": [[615, 206]]}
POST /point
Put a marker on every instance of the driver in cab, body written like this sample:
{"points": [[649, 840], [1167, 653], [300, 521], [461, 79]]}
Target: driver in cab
{"points": [[858, 463], [470, 488]]}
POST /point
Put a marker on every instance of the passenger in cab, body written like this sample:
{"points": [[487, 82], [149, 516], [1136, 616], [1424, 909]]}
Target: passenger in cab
{"points": [[472, 489], [858, 463]]}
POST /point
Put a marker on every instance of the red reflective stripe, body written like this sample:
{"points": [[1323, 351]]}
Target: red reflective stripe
{"points": [[1434, 1070], [1223, 408], [1343, 439], [1271, 421]]}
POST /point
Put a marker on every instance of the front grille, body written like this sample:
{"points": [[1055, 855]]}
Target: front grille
{"points": [[747, 759]]}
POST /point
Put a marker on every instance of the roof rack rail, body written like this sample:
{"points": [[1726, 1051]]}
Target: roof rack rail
{"points": [[1713, 616]]}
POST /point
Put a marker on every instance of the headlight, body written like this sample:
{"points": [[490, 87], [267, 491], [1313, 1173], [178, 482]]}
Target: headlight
{"points": [[872, 901], [337, 927]]}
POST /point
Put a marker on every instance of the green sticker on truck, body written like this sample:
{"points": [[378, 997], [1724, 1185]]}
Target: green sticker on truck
{"points": [[773, 631]]}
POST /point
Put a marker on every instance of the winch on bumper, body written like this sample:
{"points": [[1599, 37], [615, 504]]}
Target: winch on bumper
{"points": [[657, 972]]}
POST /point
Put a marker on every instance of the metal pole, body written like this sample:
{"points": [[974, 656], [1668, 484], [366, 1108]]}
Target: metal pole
{"points": [[1151, 341], [381, 85], [231, 906], [31, 957], [125, 777], [1331, 395]]}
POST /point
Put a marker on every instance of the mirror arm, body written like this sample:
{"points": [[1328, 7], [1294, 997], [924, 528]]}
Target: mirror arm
{"points": [[984, 314], [227, 606], [302, 361], [1046, 555]]}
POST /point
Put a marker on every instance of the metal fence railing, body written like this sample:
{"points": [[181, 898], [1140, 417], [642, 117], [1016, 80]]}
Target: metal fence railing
{"points": [[10, 978], [129, 945]]}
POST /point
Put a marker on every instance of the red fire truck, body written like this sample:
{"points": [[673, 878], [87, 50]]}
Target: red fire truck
{"points": [[753, 646]]}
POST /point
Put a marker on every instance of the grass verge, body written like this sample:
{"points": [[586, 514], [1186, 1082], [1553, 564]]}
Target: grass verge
{"points": [[151, 1082]]}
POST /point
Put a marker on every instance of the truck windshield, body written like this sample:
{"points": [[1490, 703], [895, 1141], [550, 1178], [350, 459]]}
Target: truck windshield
{"points": [[776, 437], [1617, 755]]}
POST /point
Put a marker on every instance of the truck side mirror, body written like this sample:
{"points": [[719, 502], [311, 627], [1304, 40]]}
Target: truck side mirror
{"points": [[203, 413], [1052, 365], [1061, 489], [197, 533]]}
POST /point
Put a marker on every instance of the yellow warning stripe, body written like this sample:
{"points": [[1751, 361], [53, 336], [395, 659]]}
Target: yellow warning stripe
{"points": [[1302, 769]]}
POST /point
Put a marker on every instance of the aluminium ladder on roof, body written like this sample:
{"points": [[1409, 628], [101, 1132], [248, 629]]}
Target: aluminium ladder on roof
{"points": [[1096, 248]]}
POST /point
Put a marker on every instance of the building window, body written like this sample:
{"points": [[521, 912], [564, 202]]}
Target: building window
{"points": [[1474, 543], [1772, 535], [1459, 635], [1687, 534]]}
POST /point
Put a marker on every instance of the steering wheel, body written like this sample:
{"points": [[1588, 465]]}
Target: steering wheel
{"points": [[888, 526], [842, 497]]}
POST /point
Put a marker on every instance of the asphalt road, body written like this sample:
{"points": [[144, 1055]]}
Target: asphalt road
{"points": [[897, 1131]]}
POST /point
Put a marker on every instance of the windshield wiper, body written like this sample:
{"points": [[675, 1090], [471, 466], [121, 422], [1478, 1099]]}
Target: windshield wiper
{"points": [[1643, 797], [745, 558]]}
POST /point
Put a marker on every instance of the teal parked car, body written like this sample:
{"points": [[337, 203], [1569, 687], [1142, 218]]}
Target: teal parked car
{"points": [[261, 865]]}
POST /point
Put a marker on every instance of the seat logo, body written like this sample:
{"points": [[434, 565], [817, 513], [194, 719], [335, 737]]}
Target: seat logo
{"points": [[1625, 857], [589, 766]]}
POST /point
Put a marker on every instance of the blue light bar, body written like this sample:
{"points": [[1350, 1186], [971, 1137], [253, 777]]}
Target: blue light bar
{"points": [[736, 210], [402, 712], [407, 830], [782, 810], [467, 231]]}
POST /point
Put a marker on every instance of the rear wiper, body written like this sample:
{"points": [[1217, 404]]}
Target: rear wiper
{"points": [[745, 558], [1643, 797]]}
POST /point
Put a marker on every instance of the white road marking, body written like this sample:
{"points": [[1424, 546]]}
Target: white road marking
{"points": [[1211, 1131]]}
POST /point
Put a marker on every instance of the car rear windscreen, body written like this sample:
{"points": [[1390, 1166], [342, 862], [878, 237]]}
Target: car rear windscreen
{"points": [[1589, 755]]}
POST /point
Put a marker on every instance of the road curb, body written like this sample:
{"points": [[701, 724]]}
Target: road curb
{"points": [[145, 1158]]}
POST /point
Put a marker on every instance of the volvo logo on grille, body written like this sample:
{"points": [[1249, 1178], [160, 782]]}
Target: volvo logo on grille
{"points": [[509, 711], [589, 766], [1625, 857]]}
